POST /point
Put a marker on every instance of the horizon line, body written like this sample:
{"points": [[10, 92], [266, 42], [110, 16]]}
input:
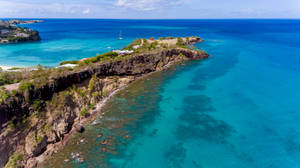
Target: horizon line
{"points": [[154, 18]]}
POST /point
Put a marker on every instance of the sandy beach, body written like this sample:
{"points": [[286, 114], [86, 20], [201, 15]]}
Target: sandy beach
{"points": [[5, 68]]}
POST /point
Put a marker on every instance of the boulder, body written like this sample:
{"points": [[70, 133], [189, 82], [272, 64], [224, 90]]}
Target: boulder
{"points": [[79, 128]]}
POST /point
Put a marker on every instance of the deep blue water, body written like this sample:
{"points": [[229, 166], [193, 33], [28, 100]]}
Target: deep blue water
{"points": [[240, 108]]}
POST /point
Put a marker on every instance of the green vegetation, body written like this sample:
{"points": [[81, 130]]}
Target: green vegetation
{"points": [[14, 92], [38, 78], [12, 124], [84, 112], [58, 102], [4, 95], [134, 43], [14, 160], [80, 98], [92, 106], [103, 93], [47, 128], [14, 68], [5, 79], [98, 58], [92, 83], [38, 105], [39, 138], [146, 47], [25, 85], [166, 38], [69, 62], [95, 95], [180, 43]]}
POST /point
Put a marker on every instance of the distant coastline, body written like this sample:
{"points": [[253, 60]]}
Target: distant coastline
{"points": [[11, 33]]}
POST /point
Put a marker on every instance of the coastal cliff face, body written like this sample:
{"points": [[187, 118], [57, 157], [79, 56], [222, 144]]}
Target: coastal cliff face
{"points": [[35, 122]]}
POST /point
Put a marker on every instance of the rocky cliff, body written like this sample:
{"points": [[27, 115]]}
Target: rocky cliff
{"points": [[34, 121]]}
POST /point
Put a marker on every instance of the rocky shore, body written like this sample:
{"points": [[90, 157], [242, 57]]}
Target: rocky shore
{"points": [[10, 33], [37, 120], [16, 22]]}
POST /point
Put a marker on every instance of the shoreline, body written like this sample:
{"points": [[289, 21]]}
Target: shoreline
{"points": [[5, 67], [9, 68], [54, 148], [105, 79], [90, 120]]}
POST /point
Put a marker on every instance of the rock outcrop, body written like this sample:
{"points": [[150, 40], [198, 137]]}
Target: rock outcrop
{"points": [[10, 33], [60, 119]]}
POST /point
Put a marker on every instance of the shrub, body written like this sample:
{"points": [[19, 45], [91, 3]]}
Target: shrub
{"points": [[92, 83], [37, 105], [25, 85], [92, 106], [4, 79], [39, 138], [180, 42], [14, 159], [84, 112], [69, 62], [4, 95], [14, 68], [95, 94], [103, 93], [102, 57], [12, 123]]}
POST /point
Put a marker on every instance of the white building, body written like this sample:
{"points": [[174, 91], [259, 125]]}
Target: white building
{"points": [[124, 52], [136, 47], [4, 31], [22, 35]]}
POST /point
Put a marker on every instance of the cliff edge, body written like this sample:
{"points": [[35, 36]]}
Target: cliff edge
{"points": [[51, 103]]}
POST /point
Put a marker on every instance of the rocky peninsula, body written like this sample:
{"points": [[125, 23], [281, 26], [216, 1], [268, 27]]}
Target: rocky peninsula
{"points": [[40, 108], [11, 33]]}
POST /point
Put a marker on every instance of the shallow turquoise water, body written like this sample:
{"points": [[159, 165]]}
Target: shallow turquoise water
{"points": [[240, 108]]}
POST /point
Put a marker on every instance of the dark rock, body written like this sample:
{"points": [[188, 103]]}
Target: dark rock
{"points": [[79, 128]]}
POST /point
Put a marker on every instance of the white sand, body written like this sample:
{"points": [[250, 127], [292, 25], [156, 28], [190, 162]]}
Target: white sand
{"points": [[5, 68]]}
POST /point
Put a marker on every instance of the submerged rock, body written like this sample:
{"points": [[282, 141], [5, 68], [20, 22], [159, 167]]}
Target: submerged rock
{"points": [[100, 135]]}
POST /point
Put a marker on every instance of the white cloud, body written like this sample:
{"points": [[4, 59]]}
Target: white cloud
{"points": [[87, 11], [8, 9], [146, 5]]}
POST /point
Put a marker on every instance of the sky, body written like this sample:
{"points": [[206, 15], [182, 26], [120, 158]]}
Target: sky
{"points": [[150, 9]]}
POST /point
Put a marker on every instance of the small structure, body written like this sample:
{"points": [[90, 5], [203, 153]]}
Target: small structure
{"points": [[136, 47], [4, 41], [123, 52], [22, 35], [67, 66], [4, 31]]}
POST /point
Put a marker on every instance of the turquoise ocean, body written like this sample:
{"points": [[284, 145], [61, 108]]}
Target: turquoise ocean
{"points": [[238, 109]]}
